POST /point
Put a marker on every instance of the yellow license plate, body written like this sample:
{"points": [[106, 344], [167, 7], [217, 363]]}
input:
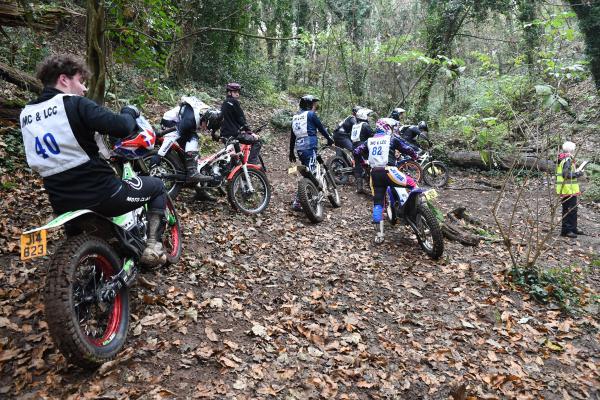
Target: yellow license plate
{"points": [[431, 194], [293, 169], [33, 244]]}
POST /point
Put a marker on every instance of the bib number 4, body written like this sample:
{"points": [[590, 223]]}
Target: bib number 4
{"points": [[49, 145]]}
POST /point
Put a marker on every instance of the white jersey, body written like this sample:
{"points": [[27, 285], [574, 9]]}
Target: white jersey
{"points": [[172, 114], [379, 150], [50, 144], [356, 128], [300, 125]]}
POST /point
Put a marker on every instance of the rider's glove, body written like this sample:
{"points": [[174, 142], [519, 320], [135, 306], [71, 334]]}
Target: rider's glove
{"points": [[292, 158], [131, 110]]}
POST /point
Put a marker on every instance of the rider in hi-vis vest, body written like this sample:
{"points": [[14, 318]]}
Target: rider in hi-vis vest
{"points": [[568, 189], [303, 135], [59, 133], [381, 152]]}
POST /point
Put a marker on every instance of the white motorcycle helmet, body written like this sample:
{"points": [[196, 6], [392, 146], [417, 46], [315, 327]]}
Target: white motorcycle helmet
{"points": [[363, 114]]}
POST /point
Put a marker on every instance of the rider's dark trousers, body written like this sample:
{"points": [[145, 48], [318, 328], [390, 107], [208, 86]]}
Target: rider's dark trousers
{"points": [[382, 177], [569, 215], [134, 193], [358, 168], [344, 142], [306, 156]]}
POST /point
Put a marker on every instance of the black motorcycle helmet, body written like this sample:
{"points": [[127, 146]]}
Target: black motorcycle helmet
{"points": [[213, 119], [307, 101], [355, 109], [423, 126], [397, 113]]}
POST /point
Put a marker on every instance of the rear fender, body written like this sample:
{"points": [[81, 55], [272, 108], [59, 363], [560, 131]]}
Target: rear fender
{"points": [[64, 218], [305, 172]]}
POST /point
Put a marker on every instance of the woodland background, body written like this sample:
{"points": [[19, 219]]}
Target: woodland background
{"points": [[501, 84]]}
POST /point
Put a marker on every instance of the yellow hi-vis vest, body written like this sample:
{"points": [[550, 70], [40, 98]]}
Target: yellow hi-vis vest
{"points": [[566, 187]]}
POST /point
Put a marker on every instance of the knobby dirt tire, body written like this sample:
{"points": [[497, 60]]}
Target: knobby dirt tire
{"points": [[171, 163], [333, 165], [59, 303], [172, 237], [431, 179], [334, 193], [306, 192], [437, 248], [235, 184], [412, 169]]}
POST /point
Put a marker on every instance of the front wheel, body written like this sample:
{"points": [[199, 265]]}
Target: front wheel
{"points": [[429, 232], [310, 199], [86, 330], [245, 200], [436, 174]]}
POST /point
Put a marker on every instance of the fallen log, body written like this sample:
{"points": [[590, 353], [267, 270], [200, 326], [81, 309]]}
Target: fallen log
{"points": [[38, 17], [20, 78], [523, 160], [10, 110], [461, 227]]}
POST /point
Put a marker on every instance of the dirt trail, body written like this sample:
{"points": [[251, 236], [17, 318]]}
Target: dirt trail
{"points": [[275, 307]]}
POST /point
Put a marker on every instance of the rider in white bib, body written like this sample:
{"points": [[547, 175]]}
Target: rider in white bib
{"points": [[381, 152], [303, 137], [361, 131], [59, 133]]}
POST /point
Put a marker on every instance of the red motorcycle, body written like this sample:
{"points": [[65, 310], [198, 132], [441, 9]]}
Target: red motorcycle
{"points": [[247, 186]]}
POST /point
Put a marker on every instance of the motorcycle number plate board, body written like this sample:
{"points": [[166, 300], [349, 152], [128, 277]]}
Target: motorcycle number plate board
{"points": [[33, 244], [431, 194]]}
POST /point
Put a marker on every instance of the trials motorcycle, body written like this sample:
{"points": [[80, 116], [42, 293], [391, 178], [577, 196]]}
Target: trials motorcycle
{"points": [[86, 293]]}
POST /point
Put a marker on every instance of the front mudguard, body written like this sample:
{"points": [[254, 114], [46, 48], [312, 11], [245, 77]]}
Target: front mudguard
{"points": [[409, 208], [305, 172], [238, 167]]}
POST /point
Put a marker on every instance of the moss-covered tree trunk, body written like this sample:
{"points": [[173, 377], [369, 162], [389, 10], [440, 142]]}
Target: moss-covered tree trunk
{"points": [[588, 13], [96, 50], [531, 32]]}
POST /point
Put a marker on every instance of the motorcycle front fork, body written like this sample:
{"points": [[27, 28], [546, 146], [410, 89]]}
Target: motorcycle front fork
{"points": [[248, 182]]}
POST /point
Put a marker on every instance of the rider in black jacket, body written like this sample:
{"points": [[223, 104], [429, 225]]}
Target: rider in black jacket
{"points": [[234, 122], [58, 131]]}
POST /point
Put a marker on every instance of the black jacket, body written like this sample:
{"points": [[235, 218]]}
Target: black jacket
{"points": [[94, 181], [411, 134], [365, 132], [345, 127], [233, 118]]}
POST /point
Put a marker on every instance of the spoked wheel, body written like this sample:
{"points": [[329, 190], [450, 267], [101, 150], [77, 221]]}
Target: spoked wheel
{"points": [[334, 194], [436, 174], [86, 329], [245, 200], [336, 166], [170, 164], [310, 198], [412, 169], [171, 238], [429, 232]]}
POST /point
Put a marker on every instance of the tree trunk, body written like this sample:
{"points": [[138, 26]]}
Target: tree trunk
{"points": [[37, 17], [96, 50], [9, 110], [588, 14]]}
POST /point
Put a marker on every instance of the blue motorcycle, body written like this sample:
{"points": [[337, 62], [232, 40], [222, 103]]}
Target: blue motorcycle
{"points": [[412, 209]]}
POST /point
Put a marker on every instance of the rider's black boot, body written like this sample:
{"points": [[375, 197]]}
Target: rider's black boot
{"points": [[359, 186], [154, 254], [191, 166]]}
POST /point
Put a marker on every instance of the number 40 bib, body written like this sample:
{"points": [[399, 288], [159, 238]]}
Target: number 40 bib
{"points": [[50, 144]]}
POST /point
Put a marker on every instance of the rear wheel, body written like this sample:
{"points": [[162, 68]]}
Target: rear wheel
{"points": [[336, 166], [310, 199], [242, 199], [86, 330], [389, 208], [171, 238], [412, 169], [429, 232], [334, 194], [436, 174], [170, 164]]}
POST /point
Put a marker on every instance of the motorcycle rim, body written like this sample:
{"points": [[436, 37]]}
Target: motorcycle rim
{"points": [[245, 201]]}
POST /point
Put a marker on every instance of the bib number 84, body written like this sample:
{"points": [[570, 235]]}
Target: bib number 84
{"points": [[50, 145]]}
